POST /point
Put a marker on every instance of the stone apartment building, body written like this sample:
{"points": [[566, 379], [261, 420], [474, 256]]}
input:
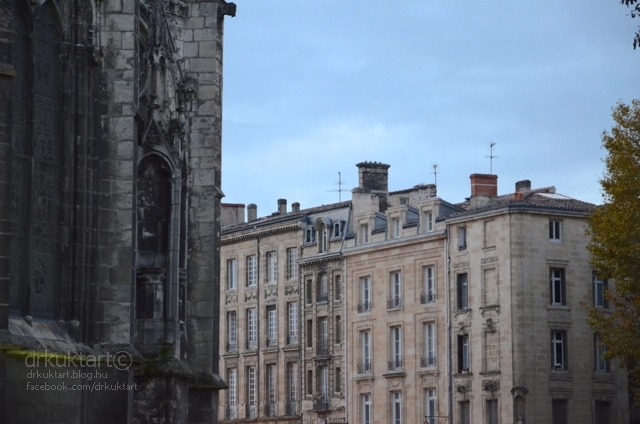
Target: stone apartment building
{"points": [[473, 312], [110, 141]]}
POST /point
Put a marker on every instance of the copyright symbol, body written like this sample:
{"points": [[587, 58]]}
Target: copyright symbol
{"points": [[122, 360]]}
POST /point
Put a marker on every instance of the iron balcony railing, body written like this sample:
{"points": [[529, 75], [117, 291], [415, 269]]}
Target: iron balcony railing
{"points": [[395, 364], [322, 347], [364, 306], [251, 411], [364, 367], [322, 297], [428, 361], [270, 410], [292, 339], [427, 298], [321, 403], [291, 408], [394, 302], [230, 412]]}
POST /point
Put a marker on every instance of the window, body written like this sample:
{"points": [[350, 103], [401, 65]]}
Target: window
{"points": [[463, 291], [599, 287], [365, 401], [323, 234], [309, 333], [557, 286], [337, 229], [232, 331], [601, 364], [323, 383], [492, 411], [292, 263], [292, 312], [364, 233], [395, 290], [431, 406], [463, 353], [396, 228], [272, 326], [395, 362], [429, 287], [232, 392], [462, 239], [396, 407], [292, 392], [271, 390], [252, 272], [365, 295], [338, 380], [323, 288], [429, 334], [309, 235], [231, 274], [308, 291], [555, 230], [365, 352], [559, 411], [323, 336], [558, 350], [309, 382], [252, 329], [603, 412], [337, 288], [251, 392], [272, 267], [465, 412], [428, 221], [338, 329]]}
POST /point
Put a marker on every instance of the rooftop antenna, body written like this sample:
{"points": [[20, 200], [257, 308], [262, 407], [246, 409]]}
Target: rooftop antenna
{"points": [[435, 173], [491, 157], [340, 183]]}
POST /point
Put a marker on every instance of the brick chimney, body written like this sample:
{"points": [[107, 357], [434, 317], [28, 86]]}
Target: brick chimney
{"points": [[484, 185], [252, 212], [524, 185], [282, 206], [373, 176]]}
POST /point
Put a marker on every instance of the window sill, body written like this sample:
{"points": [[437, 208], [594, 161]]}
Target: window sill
{"points": [[432, 370], [249, 352], [290, 348], [488, 248], [558, 308], [463, 311], [395, 373], [463, 375], [233, 354], [560, 375], [363, 376], [496, 372]]}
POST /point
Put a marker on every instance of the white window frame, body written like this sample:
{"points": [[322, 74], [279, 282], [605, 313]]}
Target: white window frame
{"points": [[559, 349], [429, 277], [252, 271], [271, 384], [232, 393], [251, 391], [252, 328], [599, 287], [232, 331], [395, 290], [430, 340], [272, 324], [462, 286], [364, 233], [431, 405], [324, 382], [292, 378], [292, 263], [324, 239], [323, 333], [429, 221], [463, 344], [365, 294], [272, 267], [292, 312], [396, 407], [462, 239], [323, 285], [555, 230], [365, 350], [396, 228], [396, 347], [557, 286], [367, 410], [601, 365], [232, 274]]}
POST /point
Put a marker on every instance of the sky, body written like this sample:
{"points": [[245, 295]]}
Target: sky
{"points": [[311, 88]]}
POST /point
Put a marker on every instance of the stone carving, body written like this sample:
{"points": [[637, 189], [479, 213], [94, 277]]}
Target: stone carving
{"points": [[271, 292], [231, 298], [464, 264], [489, 260], [491, 385], [291, 289], [250, 295]]}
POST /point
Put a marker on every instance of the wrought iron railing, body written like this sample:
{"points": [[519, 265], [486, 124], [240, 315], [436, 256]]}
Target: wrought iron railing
{"points": [[292, 339], [272, 342], [364, 306], [230, 412], [428, 361], [321, 403], [251, 411], [364, 367], [427, 298], [232, 346], [322, 297], [322, 347], [270, 410], [291, 408], [395, 364], [394, 302]]}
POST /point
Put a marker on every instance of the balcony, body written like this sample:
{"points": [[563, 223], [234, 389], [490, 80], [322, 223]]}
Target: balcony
{"points": [[291, 408], [230, 412], [364, 306], [292, 339], [428, 361], [395, 364], [251, 411], [270, 409], [321, 403], [395, 302], [364, 367], [232, 347], [427, 298], [322, 297], [322, 347]]}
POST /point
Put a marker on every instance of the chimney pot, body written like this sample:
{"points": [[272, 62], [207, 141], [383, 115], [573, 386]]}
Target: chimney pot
{"points": [[282, 206], [484, 185], [252, 212], [524, 185], [373, 176]]}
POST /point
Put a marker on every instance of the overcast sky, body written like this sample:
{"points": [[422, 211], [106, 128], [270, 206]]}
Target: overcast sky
{"points": [[313, 87]]}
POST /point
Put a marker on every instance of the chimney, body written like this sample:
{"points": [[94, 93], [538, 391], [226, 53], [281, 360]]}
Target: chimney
{"points": [[484, 185], [282, 206], [252, 212], [373, 176], [295, 207], [524, 185]]}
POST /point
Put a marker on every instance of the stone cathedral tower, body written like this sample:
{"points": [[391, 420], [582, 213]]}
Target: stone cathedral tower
{"points": [[110, 149]]}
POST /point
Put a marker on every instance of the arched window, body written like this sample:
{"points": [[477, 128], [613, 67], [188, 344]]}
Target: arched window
{"points": [[36, 160]]}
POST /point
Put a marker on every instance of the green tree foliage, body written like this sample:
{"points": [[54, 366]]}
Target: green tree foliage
{"points": [[634, 5], [615, 242]]}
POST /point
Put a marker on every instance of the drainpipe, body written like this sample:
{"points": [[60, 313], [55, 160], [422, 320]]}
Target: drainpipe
{"points": [[258, 370], [448, 322]]}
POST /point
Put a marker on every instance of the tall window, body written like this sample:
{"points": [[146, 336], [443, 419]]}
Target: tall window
{"points": [[366, 414], [232, 331], [559, 411], [309, 382], [396, 228], [323, 383], [232, 393], [338, 379], [292, 391], [601, 364], [429, 331], [37, 155], [431, 406], [428, 221], [555, 230], [599, 287], [365, 352], [492, 411], [463, 353], [272, 326], [395, 362], [231, 274], [251, 392], [365, 295], [462, 239], [309, 333], [559, 350], [323, 234], [323, 287], [557, 286], [396, 407], [252, 329], [603, 413], [252, 271], [272, 267], [292, 312], [337, 288], [463, 291], [364, 233], [429, 285], [323, 336], [292, 263], [338, 331], [309, 236], [395, 290], [308, 292], [271, 390], [465, 412]]}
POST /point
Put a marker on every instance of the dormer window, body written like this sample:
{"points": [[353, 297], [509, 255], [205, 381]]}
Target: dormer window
{"points": [[364, 233], [396, 228], [323, 236], [428, 218], [337, 229], [308, 236]]}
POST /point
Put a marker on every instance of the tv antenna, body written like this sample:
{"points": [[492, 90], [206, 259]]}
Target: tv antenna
{"points": [[340, 183], [491, 157], [435, 173]]}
